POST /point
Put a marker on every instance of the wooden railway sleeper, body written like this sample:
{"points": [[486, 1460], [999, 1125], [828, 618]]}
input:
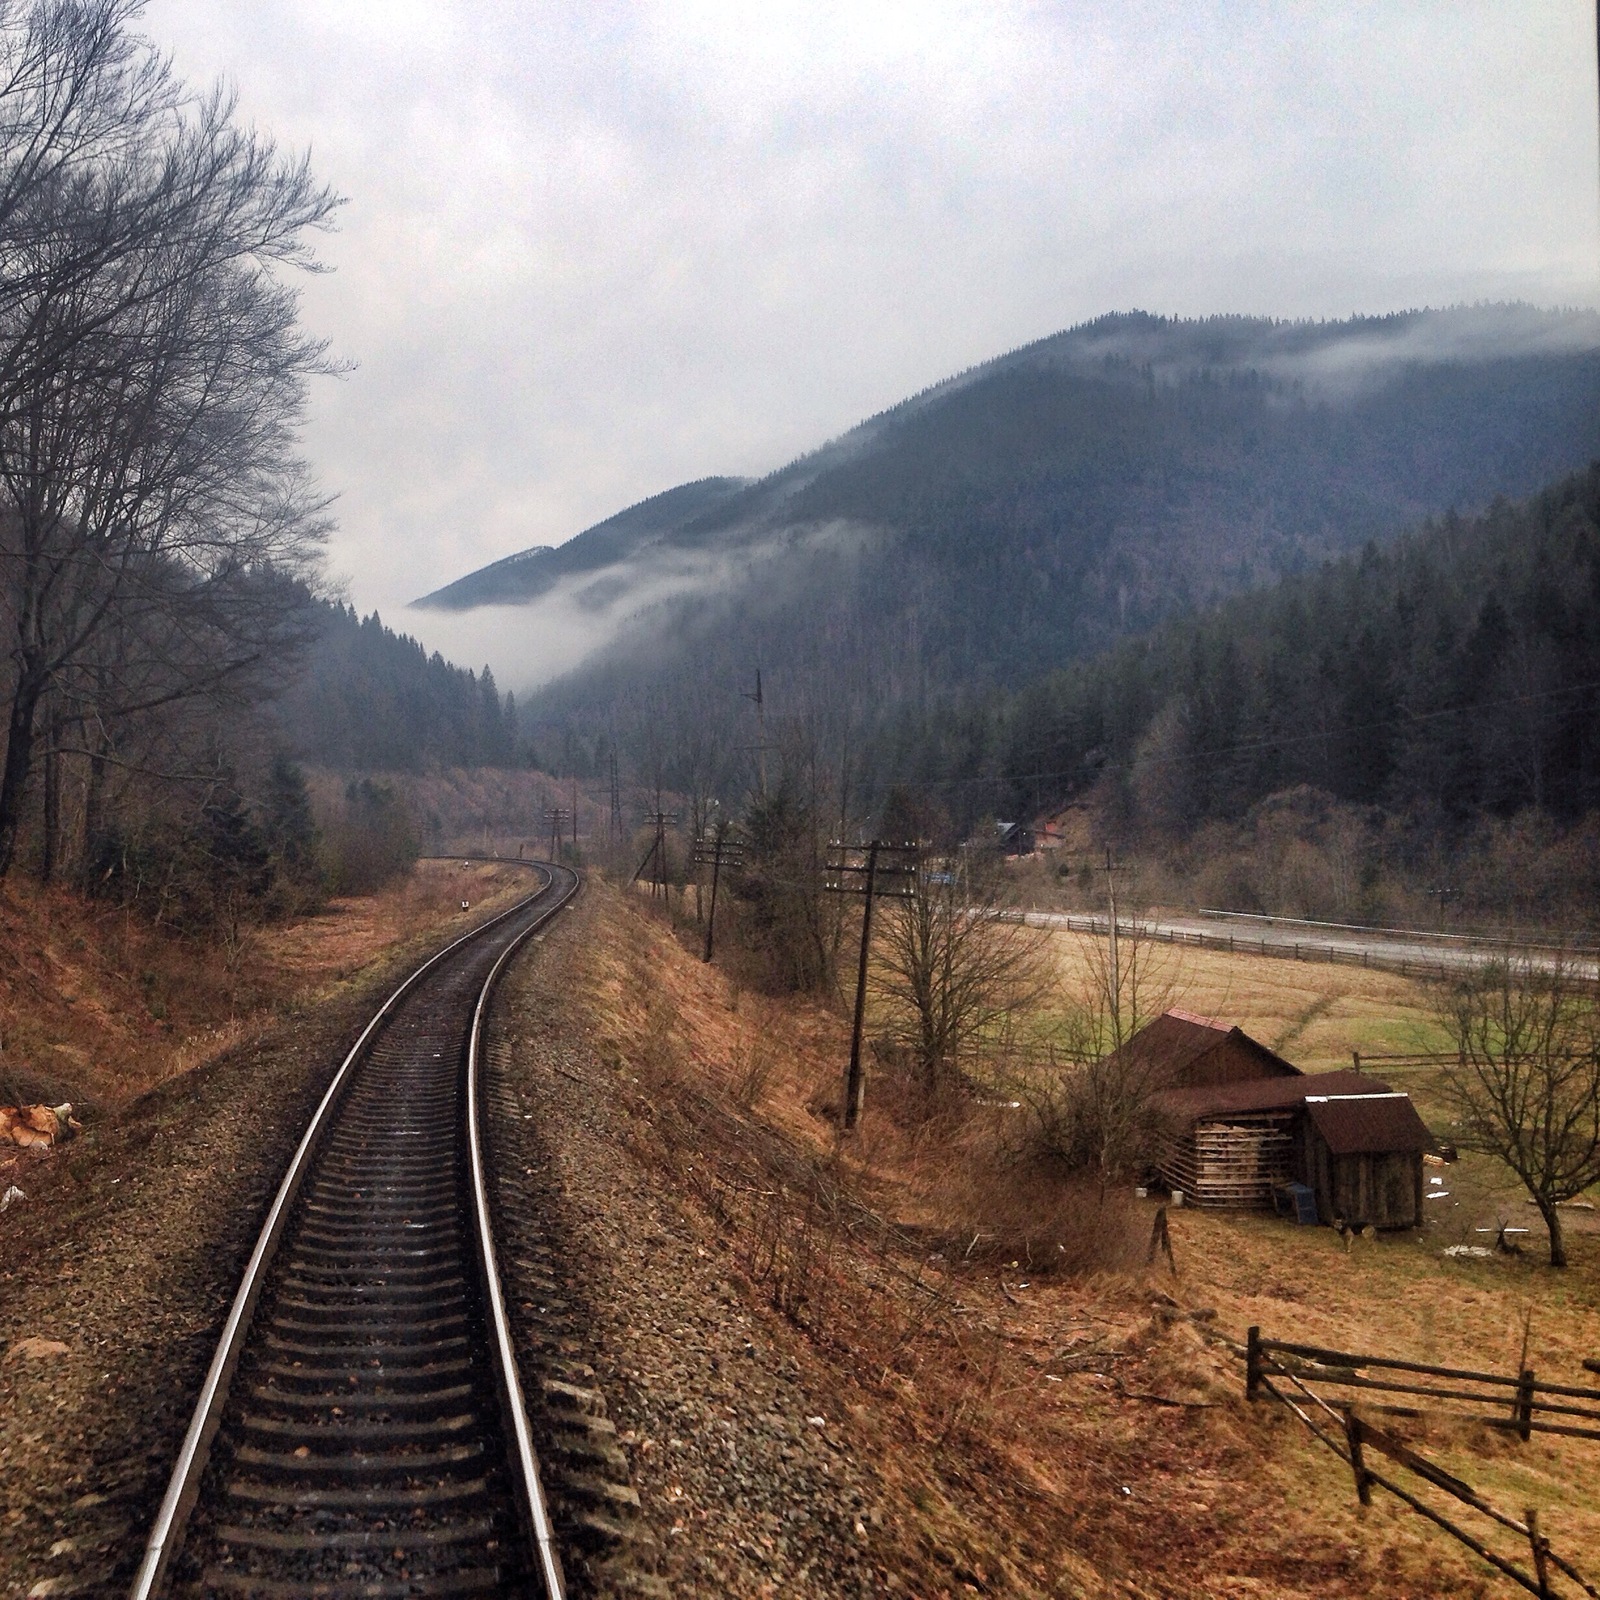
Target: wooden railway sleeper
{"points": [[488, 1580], [363, 1464]]}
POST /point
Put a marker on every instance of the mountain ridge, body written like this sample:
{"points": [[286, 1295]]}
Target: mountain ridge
{"points": [[1042, 504]]}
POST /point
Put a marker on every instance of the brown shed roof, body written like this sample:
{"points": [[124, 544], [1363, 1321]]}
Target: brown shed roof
{"points": [[1369, 1124], [1263, 1094], [1173, 1049]]}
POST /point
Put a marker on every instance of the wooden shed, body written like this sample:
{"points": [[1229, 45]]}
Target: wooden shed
{"points": [[1362, 1155], [1238, 1120], [1231, 1144]]}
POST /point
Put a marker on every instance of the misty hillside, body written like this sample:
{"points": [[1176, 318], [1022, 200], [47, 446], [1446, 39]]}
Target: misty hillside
{"points": [[1453, 675], [1040, 507]]}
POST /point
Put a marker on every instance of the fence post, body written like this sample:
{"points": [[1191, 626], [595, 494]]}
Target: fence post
{"points": [[1358, 1460], [1541, 1552], [1252, 1364], [1524, 1404]]}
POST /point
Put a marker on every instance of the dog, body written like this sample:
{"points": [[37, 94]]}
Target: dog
{"points": [[38, 1126]]}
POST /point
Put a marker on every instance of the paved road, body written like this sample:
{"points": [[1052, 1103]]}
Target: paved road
{"points": [[1393, 949]]}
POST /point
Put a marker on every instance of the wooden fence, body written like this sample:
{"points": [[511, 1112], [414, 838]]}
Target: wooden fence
{"points": [[1519, 1405], [1584, 967], [1242, 944]]}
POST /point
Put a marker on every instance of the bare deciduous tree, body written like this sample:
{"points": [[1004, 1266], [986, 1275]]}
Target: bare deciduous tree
{"points": [[1091, 1100], [1526, 1088], [152, 375], [953, 966]]}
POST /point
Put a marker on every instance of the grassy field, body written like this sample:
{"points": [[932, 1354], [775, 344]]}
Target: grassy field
{"points": [[1315, 1014], [1111, 1401]]}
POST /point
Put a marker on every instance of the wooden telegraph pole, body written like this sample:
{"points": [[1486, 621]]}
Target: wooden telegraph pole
{"points": [[717, 850], [556, 817], [871, 869], [1111, 869], [616, 799], [761, 735], [657, 852]]}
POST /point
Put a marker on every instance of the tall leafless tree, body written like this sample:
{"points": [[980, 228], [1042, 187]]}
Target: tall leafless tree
{"points": [[953, 965], [152, 379], [1526, 1086]]}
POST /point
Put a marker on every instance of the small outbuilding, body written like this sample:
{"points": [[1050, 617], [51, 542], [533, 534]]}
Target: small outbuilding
{"points": [[1238, 1121], [1362, 1154]]}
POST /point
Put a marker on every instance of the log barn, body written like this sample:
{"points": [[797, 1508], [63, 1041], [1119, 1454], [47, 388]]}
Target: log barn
{"points": [[1238, 1120]]}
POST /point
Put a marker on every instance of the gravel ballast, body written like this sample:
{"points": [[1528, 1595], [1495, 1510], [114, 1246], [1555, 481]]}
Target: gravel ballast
{"points": [[740, 1453]]}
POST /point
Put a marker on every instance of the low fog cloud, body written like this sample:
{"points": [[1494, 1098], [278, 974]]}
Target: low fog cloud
{"points": [[593, 250]]}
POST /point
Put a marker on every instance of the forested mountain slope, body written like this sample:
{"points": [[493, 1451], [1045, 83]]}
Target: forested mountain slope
{"points": [[1041, 507], [367, 699], [1452, 675]]}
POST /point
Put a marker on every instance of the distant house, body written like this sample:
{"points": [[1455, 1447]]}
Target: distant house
{"points": [[1014, 838], [1239, 1121]]}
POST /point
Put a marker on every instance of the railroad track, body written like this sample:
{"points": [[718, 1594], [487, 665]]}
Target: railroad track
{"points": [[362, 1430]]}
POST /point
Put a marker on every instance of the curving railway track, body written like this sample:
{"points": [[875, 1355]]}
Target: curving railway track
{"points": [[362, 1430]]}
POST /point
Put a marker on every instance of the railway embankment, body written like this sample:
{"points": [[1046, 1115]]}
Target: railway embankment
{"points": [[117, 1270], [820, 1393]]}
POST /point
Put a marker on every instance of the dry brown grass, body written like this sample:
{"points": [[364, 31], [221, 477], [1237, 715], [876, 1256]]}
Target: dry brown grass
{"points": [[1314, 1013], [97, 1006], [1093, 1422]]}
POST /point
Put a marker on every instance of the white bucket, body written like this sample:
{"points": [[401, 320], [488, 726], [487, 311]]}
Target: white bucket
{"points": [[1177, 1197]]}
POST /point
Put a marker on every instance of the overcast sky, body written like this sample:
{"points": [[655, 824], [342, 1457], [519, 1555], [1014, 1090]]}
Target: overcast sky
{"points": [[593, 250]]}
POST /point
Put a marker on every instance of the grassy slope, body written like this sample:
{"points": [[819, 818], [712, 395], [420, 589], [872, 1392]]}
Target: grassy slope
{"points": [[1048, 1393], [98, 1007]]}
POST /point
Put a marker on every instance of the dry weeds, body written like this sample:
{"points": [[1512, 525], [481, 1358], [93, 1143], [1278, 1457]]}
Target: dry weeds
{"points": [[1092, 1421], [98, 1007]]}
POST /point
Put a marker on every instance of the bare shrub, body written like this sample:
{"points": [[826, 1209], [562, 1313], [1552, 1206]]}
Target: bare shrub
{"points": [[754, 1063], [1088, 1096], [1001, 1198]]}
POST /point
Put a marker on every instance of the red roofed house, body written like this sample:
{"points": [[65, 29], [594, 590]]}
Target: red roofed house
{"points": [[1240, 1120]]}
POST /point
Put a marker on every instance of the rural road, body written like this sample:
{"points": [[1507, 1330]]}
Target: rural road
{"points": [[1400, 950]]}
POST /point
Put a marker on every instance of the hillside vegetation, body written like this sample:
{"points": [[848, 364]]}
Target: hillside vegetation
{"points": [[1055, 501], [370, 699], [1429, 706]]}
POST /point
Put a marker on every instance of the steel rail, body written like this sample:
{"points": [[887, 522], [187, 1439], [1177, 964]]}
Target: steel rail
{"points": [[183, 1486], [510, 1378]]}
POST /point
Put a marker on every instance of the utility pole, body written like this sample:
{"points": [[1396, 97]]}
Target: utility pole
{"points": [[717, 850], [574, 819], [556, 816], [1111, 869], [657, 851], [761, 746], [888, 869]]}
